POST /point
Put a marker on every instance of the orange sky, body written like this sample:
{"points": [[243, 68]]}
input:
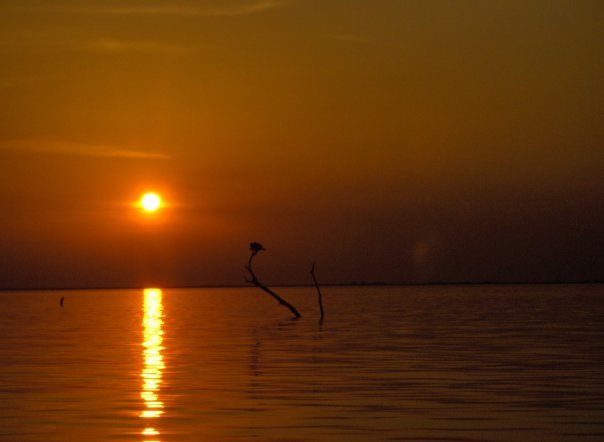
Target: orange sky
{"points": [[391, 141]]}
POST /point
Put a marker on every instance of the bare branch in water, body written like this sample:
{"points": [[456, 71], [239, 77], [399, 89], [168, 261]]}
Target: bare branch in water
{"points": [[314, 278], [256, 248]]}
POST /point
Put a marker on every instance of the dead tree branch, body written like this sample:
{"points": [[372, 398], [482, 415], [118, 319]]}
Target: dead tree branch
{"points": [[256, 248], [314, 278]]}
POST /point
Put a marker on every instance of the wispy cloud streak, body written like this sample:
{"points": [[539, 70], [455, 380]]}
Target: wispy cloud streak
{"points": [[113, 45], [89, 150], [217, 10]]}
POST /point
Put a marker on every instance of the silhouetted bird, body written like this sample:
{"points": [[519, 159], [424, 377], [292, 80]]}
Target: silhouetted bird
{"points": [[62, 299], [256, 247]]}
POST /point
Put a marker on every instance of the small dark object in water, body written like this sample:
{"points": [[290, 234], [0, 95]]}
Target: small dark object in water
{"points": [[62, 299]]}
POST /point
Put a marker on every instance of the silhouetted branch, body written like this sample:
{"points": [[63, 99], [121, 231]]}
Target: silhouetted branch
{"points": [[255, 247], [314, 278]]}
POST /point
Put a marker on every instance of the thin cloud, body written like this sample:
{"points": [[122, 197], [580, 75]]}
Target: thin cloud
{"points": [[219, 10], [128, 153], [88, 150], [112, 45]]}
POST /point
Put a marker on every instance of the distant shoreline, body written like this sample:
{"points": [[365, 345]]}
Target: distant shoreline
{"points": [[348, 284]]}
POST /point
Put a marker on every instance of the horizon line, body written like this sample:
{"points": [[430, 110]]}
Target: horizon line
{"points": [[347, 284]]}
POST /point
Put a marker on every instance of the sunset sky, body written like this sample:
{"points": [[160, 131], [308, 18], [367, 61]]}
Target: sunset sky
{"points": [[395, 141]]}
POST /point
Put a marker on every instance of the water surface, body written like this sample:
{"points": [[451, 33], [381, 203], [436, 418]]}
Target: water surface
{"points": [[461, 363]]}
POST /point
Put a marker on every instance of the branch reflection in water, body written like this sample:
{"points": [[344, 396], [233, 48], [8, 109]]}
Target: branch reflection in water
{"points": [[153, 361]]}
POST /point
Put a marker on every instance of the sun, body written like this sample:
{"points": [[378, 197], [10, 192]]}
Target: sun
{"points": [[150, 202]]}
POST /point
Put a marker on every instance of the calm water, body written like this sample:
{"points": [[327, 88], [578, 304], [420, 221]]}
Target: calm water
{"points": [[476, 363]]}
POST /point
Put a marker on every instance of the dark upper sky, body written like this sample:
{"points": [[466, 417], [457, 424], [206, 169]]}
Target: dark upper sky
{"points": [[413, 141]]}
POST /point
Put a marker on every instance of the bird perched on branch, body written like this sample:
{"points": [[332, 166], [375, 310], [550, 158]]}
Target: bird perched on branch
{"points": [[256, 247]]}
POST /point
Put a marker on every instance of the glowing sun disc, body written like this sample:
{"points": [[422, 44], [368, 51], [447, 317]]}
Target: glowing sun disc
{"points": [[150, 202]]}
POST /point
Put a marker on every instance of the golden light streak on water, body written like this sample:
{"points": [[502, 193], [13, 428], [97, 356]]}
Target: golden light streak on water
{"points": [[153, 360]]}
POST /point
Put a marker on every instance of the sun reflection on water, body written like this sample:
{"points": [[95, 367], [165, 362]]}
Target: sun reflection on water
{"points": [[153, 360]]}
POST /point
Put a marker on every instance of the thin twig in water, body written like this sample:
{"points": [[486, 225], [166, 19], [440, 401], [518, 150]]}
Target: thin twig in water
{"points": [[314, 278]]}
